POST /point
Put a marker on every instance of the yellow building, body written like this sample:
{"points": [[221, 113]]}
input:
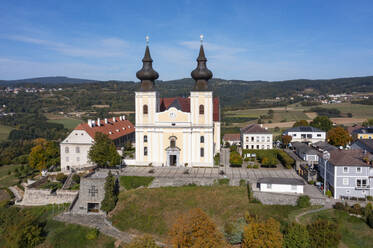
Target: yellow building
{"points": [[176, 131], [363, 133]]}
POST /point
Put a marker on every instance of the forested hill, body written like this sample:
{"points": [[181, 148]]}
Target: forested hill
{"points": [[47, 80], [233, 93]]}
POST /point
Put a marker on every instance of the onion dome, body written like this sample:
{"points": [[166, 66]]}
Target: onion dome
{"points": [[147, 74], [201, 74]]}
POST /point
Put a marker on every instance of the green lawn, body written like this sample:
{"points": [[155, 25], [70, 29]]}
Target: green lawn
{"points": [[154, 210], [4, 132], [354, 231], [357, 110], [5, 179], [68, 123]]}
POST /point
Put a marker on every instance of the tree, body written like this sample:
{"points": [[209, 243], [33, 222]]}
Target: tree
{"points": [[370, 220], [303, 201], [103, 152], [44, 154], [296, 236], [301, 123], [322, 122], [145, 241], [368, 123], [323, 234], [111, 193], [286, 139], [235, 158], [338, 136], [258, 234], [195, 229]]}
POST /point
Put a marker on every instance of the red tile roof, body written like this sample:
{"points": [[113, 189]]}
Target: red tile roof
{"points": [[232, 137], [352, 157], [114, 130], [254, 128], [184, 104]]}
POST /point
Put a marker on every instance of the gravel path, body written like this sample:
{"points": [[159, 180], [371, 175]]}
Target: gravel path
{"points": [[325, 207]]}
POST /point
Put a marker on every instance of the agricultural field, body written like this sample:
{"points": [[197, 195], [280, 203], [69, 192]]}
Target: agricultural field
{"points": [[68, 123], [4, 132], [355, 232], [7, 180]]}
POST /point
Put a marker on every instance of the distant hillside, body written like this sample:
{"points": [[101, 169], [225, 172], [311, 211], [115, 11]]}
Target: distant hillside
{"points": [[48, 80]]}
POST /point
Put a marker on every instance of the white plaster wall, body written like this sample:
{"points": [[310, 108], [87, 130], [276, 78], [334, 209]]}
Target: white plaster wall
{"points": [[281, 188], [267, 143]]}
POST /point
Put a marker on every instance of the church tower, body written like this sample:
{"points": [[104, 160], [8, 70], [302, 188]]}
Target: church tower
{"points": [[201, 109], [147, 105]]}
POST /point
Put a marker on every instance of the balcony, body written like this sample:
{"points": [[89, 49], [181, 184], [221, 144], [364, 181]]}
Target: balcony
{"points": [[362, 187]]}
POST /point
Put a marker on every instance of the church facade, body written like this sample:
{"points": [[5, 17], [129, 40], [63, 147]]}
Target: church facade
{"points": [[180, 131]]}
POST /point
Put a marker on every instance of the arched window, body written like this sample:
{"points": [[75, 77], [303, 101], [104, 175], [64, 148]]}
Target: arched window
{"points": [[202, 152], [172, 143], [202, 139], [145, 109], [145, 138], [145, 151], [201, 109], [66, 149], [77, 149]]}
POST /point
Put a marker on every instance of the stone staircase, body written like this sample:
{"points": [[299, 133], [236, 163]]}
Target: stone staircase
{"points": [[68, 181]]}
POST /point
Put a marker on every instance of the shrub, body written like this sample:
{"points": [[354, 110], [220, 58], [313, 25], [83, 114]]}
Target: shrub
{"points": [[303, 201], [61, 177], [262, 234], [296, 236], [134, 182], [285, 159], [247, 159], [370, 198], [235, 159], [195, 229], [323, 234], [370, 220], [256, 166], [76, 178], [233, 231], [368, 209], [250, 194], [242, 182], [339, 206], [223, 181], [356, 209], [92, 234], [145, 241], [329, 193]]}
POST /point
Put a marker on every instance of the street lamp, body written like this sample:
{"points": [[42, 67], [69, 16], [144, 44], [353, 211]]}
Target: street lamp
{"points": [[325, 157]]}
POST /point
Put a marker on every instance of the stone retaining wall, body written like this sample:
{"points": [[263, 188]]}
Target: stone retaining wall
{"points": [[37, 197], [283, 199], [165, 182]]}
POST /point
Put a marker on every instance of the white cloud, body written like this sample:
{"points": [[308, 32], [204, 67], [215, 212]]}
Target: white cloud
{"points": [[107, 47]]}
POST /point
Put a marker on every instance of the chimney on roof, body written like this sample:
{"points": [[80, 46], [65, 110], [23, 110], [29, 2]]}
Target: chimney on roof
{"points": [[93, 123], [113, 119], [105, 120], [120, 118], [261, 125], [98, 122], [89, 122], [124, 117]]}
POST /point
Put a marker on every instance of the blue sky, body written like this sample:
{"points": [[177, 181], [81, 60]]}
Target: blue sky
{"points": [[249, 40]]}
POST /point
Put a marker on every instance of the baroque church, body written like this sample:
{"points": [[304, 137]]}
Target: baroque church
{"points": [[178, 131]]}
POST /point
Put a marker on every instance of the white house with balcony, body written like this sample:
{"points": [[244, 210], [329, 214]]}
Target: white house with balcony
{"points": [[305, 134]]}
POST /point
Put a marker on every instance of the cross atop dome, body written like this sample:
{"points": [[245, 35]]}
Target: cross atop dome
{"points": [[201, 74]]}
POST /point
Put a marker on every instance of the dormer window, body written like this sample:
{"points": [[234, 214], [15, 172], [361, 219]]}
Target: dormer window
{"points": [[145, 109], [201, 109]]}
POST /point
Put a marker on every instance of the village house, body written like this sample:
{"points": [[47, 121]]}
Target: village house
{"points": [[280, 185], [363, 133], [232, 139], [306, 134], [74, 149], [254, 136], [348, 174]]}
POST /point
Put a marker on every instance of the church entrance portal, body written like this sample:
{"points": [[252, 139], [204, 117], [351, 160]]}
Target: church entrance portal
{"points": [[172, 160]]}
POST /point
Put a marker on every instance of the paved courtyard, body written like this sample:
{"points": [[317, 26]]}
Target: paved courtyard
{"points": [[232, 173]]}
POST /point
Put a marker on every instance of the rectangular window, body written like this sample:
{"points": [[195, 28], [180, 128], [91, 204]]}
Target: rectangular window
{"points": [[345, 169], [345, 181], [303, 136], [202, 152], [269, 186], [247, 139], [358, 169], [145, 151], [309, 136], [294, 135], [252, 139], [364, 182], [257, 146], [318, 135], [77, 149], [247, 146]]}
